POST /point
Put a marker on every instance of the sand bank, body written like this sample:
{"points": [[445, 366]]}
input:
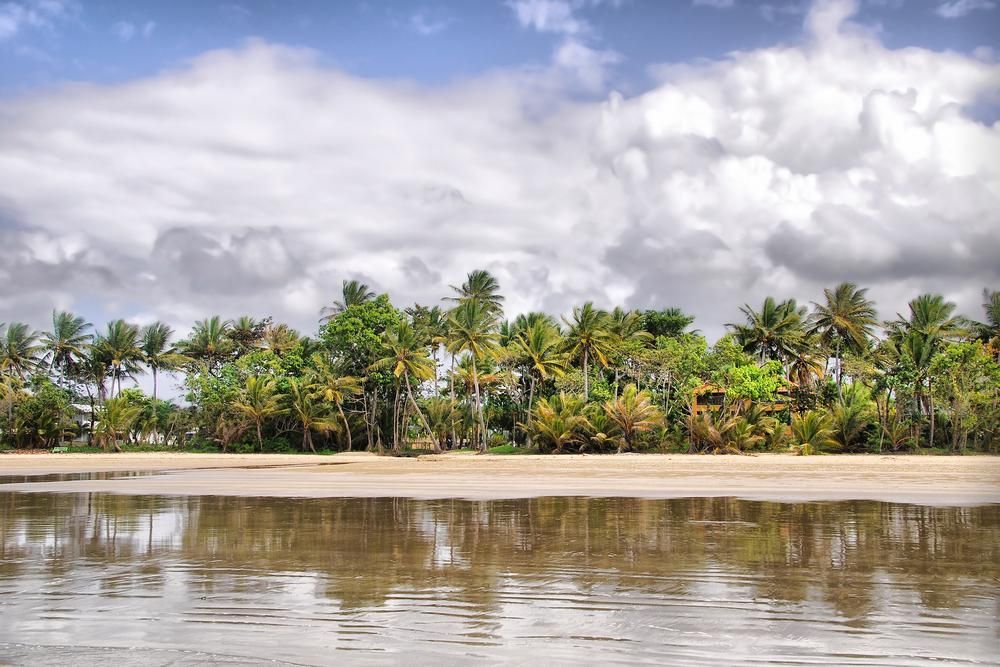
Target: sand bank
{"points": [[916, 479]]}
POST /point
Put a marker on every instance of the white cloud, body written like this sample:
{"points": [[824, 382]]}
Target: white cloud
{"points": [[125, 30], [954, 9], [558, 16], [16, 17], [254, 180], [426, 23], [148, 27]]}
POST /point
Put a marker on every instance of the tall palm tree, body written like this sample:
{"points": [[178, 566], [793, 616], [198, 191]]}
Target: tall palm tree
{"points": [[120, 345], [989, 330], [633, 413], [115, 420], [353, 293], [246, 333], [157, 352], [19, 349], [774, 332], [472, 327], [259, 401], [541, 346], [589, 337], [844, 321], [333, 387], [65, 344], [309, 412], [209, 342], [480, 286], [406, 357]]}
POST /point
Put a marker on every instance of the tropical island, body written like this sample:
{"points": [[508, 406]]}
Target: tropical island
{"points": [[829, 377]]}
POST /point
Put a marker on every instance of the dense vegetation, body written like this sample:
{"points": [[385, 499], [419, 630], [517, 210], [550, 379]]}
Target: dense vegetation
{"points": [[784, 378]]}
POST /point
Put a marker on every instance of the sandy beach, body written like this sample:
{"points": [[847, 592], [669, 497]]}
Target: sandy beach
{"points": [[929, 480]]}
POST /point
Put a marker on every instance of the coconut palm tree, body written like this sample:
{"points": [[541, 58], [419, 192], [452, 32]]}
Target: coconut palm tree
{"points": [[480, 286], [407, 357], [115, 420], [120, 345], [333, 387], [633, 413], [541, 347], [19, 349], [812, 433], [558, 421], [353, 293], [774, 332], [846, 320], [157, 353], [209, 342], [989, 330], [589, 337], [259, 401], [65, 344], [851, 415], [309, 412], [472, 329], [246, 333]]}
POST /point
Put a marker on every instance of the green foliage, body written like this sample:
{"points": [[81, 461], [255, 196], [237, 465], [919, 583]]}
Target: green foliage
{"points": [[754, 383]]}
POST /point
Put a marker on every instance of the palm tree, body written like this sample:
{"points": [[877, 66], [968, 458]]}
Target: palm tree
{"points": [[774, 332], [812, 433], [558, 421], [246, 333], [279, 338], [633, 413], [157, 353], [846, 320], [259, 401], [329, 385], [120, 344], [989, 331], [309, 413], [851, 415], [19, 349], [480, 286], [65, 344], [406, 357], [115, 420], [209, 342], [541, 346], [354, 293], [589, 336], [472, 327]]}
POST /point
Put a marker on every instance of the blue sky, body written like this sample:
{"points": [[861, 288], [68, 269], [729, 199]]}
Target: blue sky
{"points": [[51, 41], [182, 159]]}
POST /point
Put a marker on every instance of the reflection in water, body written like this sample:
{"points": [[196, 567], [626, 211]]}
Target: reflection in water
{"points": [[692, 580]]}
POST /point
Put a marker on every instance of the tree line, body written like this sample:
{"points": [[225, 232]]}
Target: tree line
{"points": [[785, 377]]}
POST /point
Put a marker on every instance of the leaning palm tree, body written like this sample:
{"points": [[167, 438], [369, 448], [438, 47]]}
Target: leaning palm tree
{"points": [[65, 344], [310, 413], [19, 349], [633, 413], [812, 433], [541, 347], [589, 337], [259, 401], [844, 321], [353, 293], [333, 387], [406, 357], [774, 332], [480, 286], [120, 344], [472, 327]]}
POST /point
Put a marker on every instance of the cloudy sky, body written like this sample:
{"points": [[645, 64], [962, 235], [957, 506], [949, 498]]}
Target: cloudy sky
{"points": [[178, 159]]}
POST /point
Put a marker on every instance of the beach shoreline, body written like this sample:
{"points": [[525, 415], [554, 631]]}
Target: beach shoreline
{"points": [[931, 480]]}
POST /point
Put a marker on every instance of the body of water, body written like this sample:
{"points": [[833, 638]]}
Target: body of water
{"points": [[97, 578]]}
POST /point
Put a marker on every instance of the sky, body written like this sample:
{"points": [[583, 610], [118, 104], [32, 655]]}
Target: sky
{"points": [[174, 160]]}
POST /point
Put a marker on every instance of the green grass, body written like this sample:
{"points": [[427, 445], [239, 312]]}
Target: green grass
{"points": [[511, 450]]}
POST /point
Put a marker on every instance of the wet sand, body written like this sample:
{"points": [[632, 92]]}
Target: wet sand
{"points": [[931, 480]]}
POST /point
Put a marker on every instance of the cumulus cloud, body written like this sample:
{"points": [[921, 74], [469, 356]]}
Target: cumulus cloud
{"points": [[16, 17], [558, 16], [254, 180], [954, 9]]}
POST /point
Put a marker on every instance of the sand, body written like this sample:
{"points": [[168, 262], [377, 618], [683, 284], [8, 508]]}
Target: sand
{"points": [[932, 480]]}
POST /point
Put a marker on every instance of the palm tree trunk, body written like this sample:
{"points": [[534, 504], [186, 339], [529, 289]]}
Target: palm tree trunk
{"points": [[840, 373], [479, 408], [347, 427], [395, 421], [586, 376], [930, 410], [451, 382], [156, 416], [260, 438], [527, 422], [423, 420]]}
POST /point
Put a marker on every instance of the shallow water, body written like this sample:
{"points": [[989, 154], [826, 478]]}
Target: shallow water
{"points": [[138, 580]]}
